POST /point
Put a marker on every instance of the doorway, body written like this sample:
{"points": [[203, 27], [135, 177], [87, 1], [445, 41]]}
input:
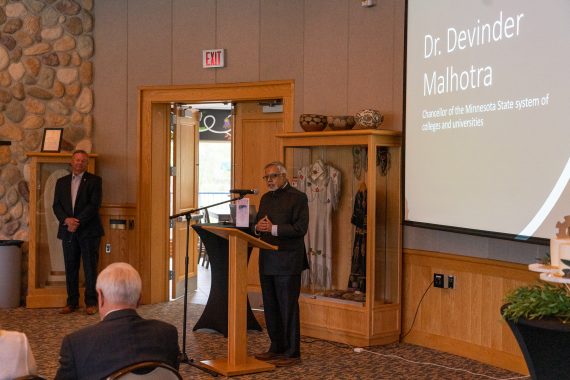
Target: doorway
{"points": [[214, 162], [254, 144]]}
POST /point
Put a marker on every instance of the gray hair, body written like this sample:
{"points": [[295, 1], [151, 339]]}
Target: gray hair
{"points": [[279, 165], [79, 151], [120, 283]]}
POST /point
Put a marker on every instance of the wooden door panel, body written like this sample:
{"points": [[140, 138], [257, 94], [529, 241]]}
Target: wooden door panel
{"points": [[184, 199], [255, 146]]}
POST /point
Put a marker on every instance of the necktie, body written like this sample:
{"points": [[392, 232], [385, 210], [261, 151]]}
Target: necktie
{"points": [[75, 181]]}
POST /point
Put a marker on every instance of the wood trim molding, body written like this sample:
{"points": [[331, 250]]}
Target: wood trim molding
{"points": [[152, 199]]}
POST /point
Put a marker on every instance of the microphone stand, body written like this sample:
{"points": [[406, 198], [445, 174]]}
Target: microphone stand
{"points": [[183, 357]]}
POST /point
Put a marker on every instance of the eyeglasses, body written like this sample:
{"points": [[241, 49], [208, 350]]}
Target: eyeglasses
{"points": [[271, 176]]}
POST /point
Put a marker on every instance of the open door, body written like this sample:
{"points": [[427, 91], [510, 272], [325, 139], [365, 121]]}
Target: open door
{"points": [[153, 230], [255, 146], [184, 185]]}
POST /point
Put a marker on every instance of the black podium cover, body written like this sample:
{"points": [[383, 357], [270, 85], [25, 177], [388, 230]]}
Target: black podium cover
{"points": [[215, 315]]}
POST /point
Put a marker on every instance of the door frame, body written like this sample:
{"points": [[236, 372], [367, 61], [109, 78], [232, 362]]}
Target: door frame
{"points": [[152, 159]]}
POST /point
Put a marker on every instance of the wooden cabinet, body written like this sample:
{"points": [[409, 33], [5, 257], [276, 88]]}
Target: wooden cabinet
{"points": [[355, 154], [46, 270], [119, 242]]}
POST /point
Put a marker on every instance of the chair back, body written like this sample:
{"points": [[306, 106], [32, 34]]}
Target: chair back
{"points": [[146, 371]]}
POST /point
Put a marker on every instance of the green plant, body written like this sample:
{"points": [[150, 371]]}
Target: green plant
{"points": [[545, 260], [538, 301]]}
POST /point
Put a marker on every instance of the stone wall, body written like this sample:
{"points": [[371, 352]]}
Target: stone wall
{"points": [[46, 80]]}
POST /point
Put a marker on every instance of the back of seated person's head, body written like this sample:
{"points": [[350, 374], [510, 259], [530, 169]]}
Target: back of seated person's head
{"points": [[119, 287]]}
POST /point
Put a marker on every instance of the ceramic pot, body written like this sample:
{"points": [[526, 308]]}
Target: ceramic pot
{"points": [[368, 119], [313, 122], [339, 123]]}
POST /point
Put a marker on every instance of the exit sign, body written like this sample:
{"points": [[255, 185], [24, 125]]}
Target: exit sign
{"points": [[212, 58]]}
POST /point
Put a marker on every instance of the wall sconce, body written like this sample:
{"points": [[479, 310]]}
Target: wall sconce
{"points": [[368, 3]]}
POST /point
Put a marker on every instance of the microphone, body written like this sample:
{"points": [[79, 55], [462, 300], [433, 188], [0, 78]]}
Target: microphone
{"points": [[243, 192]]}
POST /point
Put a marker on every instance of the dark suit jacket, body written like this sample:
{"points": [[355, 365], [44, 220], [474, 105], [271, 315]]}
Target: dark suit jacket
{"points": [[121, 339], [87, 204], [288, 209]]}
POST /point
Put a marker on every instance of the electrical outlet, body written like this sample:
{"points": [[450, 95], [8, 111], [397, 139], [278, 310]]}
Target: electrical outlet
{"points": [[438, 280], [450, 281], [108, 248]]}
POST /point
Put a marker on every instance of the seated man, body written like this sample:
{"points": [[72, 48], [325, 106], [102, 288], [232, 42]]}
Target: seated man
{"points": [[15, 355], [122, 337]]}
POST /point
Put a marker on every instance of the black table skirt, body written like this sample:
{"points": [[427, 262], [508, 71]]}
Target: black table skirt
{"points": [[544, 344], [215, 315]]}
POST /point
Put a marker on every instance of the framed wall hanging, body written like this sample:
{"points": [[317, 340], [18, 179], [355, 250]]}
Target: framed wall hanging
{"points": [[52, 140]]}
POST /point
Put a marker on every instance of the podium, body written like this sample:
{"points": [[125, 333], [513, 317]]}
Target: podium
{"points": [[215, 314], [237, 361]]}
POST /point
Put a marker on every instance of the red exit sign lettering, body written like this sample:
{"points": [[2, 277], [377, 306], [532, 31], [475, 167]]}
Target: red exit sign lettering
{"points": [[212, 58]]}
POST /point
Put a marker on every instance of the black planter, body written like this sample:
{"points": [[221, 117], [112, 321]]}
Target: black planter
{"points": [[545, 344]]}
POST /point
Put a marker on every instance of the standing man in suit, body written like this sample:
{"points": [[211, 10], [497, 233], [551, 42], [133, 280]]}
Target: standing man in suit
{"points": [[76, 205], [282, 220], [122, 337]]}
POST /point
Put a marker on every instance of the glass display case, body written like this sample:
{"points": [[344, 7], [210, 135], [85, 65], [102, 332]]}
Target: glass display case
{"points": [[46, 270], [351, 178]]}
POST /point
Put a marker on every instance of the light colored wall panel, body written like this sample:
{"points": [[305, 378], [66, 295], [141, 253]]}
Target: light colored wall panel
{"points": [[149, 63], [194, 29], [371, 59], [110, 86], [398, 36], [281, 45], [469, 245], [144, 42], [238, 32], [326, 57], [507, 250]]}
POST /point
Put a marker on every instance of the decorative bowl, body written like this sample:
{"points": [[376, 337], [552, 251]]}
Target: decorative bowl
{"points": [[339, 123], [368, 119], [312, 122]]}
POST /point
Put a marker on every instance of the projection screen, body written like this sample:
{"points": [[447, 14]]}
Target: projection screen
{"points": [[487, 132]]}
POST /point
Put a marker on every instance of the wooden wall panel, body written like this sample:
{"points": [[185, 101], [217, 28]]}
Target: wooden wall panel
{"points": [[325, 54], [368, 83], [281, 40], [366, 24], [110, 134], [255, 144], [317, 43], [397, 35], [466, 320], [194, 29], [149, 61], [155, 266], [237, 30], [122, 241]]}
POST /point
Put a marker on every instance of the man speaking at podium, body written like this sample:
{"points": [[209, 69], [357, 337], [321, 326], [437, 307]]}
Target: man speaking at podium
{"points": [[282, 220]]}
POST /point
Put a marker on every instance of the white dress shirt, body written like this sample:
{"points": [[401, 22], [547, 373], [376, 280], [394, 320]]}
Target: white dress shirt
{"points": [[75, 182]]}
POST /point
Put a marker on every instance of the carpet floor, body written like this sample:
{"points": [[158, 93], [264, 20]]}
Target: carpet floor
{"points": [[45, 329]]}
